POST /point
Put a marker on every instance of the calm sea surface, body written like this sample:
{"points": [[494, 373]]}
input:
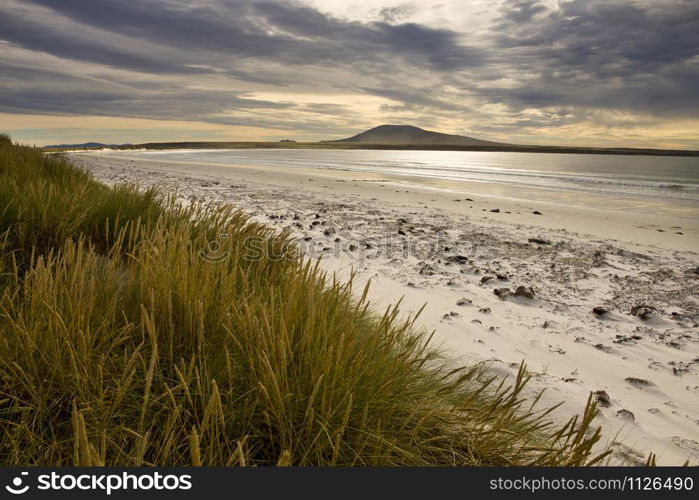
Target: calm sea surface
{"points": [[657, 177]]}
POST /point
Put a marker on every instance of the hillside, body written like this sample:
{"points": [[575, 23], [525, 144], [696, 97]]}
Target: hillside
{"points": [[407, 134]]}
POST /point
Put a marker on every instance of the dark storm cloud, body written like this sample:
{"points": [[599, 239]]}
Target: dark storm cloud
{"points": [[50, 92], [579, 57], [36, 91], [282, 32], [603, 54]]}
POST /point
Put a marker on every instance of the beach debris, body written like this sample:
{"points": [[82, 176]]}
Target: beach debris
{"points": [[625, 339], [539, 241], [643, 311], [495, 210], [599, 258], [603, 348], [524, 291], [638, 383], [485, 279], [427, 269], [456, 259], [600, 311], [602, 399], [464, 302], [536, 212], [626, 415], [502, 292]]}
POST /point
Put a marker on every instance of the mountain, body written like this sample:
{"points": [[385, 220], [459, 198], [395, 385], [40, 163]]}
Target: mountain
{"points": [[407, 134], [84, 145]]}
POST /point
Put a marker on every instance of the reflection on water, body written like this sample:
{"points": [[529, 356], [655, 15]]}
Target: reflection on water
{"points": [[651, 178]]}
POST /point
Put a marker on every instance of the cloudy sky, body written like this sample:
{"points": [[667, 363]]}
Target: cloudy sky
{"points": [[615, 72]]}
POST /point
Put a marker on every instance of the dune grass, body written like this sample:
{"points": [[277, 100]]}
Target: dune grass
{"points": [[121, 345]]}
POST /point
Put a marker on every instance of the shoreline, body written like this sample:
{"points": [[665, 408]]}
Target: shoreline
{"points": [[339, 144], [596, 257]]}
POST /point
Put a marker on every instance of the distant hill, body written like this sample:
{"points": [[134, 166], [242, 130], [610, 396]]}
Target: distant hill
{"points": [[390, 137], [407, 134], [84, 145]]}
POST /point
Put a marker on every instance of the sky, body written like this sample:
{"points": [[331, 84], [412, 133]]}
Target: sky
{"points": [[561, 72]]}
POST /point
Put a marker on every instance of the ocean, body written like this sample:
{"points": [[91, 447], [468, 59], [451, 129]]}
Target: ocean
{"points": [[660, 178]]}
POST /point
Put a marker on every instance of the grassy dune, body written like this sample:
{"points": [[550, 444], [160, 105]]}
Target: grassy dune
{"points": [[121, 345]]}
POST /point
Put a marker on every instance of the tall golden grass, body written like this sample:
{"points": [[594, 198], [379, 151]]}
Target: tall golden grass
{"points": [[120, 345]]}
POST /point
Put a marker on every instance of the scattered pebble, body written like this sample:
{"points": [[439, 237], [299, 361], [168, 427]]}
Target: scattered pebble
{"points": [[626, 415]]}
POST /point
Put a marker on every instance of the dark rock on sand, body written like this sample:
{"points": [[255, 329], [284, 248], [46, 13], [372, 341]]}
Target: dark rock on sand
{"points": [[643, 312], [539, 241], [456, 259], [485, 279], [626, 415], [464, 302], [495, 210], [524, 291], [502, 292], [638, 382], [427, 270], [602, 399], [600, 311], [603, 348], [536, 212]]}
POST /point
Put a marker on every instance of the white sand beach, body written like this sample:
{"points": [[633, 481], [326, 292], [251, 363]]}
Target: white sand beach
{"points": [[452, 246]]}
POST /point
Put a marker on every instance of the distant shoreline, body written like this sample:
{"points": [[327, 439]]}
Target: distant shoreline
{"points": [[405, 147]]}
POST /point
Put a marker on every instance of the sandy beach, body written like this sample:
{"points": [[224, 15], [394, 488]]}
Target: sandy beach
{"points": [[594, 295]]}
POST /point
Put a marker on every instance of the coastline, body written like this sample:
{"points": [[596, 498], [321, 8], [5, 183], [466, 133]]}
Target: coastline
{"points": [[496, 148], [596, 257]]}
